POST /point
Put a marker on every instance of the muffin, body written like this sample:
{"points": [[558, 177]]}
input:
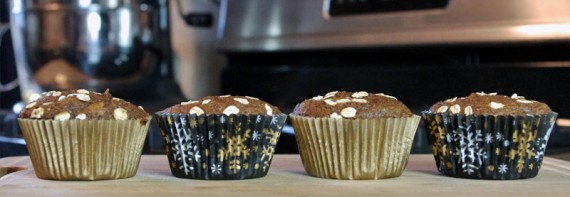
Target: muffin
{"points": [[354, 135], [489, 136], [220, 137], [83, 135]]}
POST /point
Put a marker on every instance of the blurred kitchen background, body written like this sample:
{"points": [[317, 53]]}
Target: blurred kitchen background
{"points": [[156, 53]]}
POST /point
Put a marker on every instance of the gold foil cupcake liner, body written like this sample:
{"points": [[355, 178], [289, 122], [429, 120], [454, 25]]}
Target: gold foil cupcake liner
{"points": [[220, 147], [488, 147], [84, 149], [338, 148]]}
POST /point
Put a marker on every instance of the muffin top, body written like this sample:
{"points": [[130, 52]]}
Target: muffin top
{"points": [[82, 104], [352, 105], [481, 103], [226, 104]]}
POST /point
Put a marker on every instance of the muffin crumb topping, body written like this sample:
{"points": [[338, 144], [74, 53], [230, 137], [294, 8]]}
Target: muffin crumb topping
{"points": [[455, 109], [359, 104], [81, 116], [360, 94], [481, 103], [30, 105], [226, 104], [330, 94], [82, 104], [268, 109], [241, 100], [62, 116], [348, 112], [496, 105], [196, 110], [232, 109], [468, 110], [37, 113], [442, 109], [120, 114]]}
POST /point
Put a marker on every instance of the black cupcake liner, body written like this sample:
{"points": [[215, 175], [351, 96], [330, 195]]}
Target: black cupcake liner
{"points": [[220, 147], [488, 147]]}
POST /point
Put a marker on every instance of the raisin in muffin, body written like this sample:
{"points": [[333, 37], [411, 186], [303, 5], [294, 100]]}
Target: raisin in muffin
{"points": [[70, 135], [220, 137], [489, 136], [354, 135]]}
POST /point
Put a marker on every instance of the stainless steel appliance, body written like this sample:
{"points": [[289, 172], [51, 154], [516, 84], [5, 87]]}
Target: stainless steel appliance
{"points": [[421, 51], [94, 44], [123, 45]]}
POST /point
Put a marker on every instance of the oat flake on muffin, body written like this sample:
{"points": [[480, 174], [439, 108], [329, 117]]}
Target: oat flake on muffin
{"points": [[352, 105], [225, 104], [82, 104], [481, 103]]}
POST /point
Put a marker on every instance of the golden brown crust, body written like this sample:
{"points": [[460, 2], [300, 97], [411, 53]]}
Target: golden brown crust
{"points": [[224, 105], [491, 104], [82, 104], [352, 105]]}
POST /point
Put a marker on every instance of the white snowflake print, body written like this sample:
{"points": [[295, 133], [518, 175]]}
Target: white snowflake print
{"points": [[274, 120], [488, 138], [449, 138], [258, 119], [183, 121], [503, 168], [547, 136], [469, 168], [194, 152], [177, 124], [499, 136], [222, 119], [457, 151], [210, 135], [481, 155], [216, 169], [472, 155], [179, 146], [506, 143], [255, 136], [538, 155]]}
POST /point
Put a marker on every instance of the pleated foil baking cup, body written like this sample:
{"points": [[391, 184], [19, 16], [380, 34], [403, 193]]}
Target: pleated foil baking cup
{"points": [[84, 149], [220, 147], [488, 147], [337, 148]]}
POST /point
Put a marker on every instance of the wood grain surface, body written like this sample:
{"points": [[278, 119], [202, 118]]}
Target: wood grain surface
{"points": [[286, 178]]}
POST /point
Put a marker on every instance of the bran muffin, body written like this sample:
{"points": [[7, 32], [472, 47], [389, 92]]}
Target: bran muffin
{"points": [[221, 137], [82, 104], [354, 135], [352, 105], [481, 103], [83, 135], [489, 136]]}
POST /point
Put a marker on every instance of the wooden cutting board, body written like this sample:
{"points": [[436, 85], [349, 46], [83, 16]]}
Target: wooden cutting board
{"points": [[286, 178]]}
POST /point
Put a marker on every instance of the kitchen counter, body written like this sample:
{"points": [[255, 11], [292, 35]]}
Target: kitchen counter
{"points": [[286, 177]]}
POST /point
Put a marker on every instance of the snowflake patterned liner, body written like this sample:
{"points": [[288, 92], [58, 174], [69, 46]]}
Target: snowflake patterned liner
{"points": [[488, 147], [350, 149], [220, 147]]}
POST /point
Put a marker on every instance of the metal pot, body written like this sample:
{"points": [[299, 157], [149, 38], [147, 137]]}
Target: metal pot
{"points": [[92, 44]]}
